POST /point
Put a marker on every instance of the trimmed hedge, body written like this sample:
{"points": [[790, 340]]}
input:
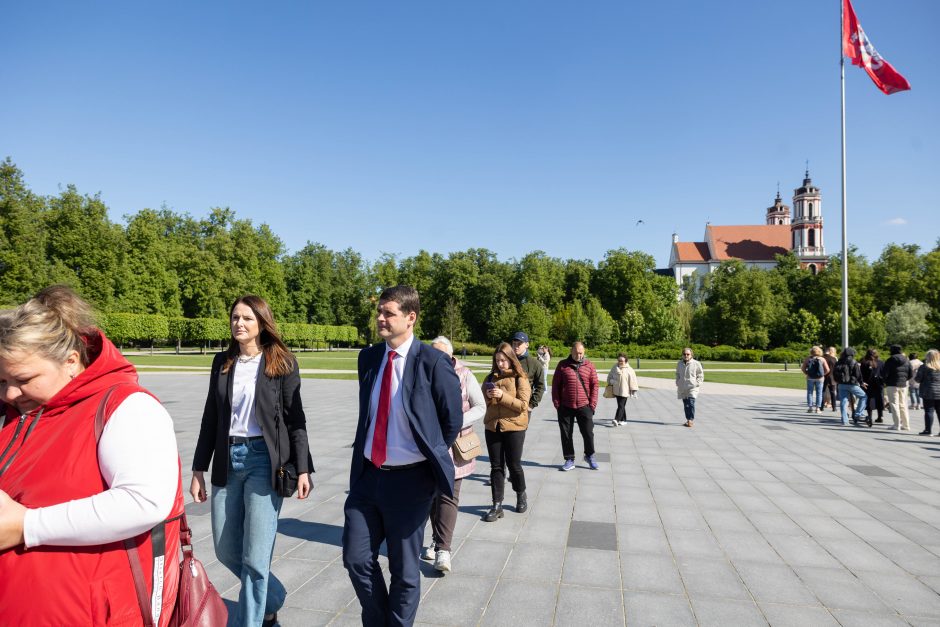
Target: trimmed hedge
{"points": [[127, 327]]}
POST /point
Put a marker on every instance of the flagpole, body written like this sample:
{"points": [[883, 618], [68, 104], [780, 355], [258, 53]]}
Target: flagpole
{"points": [[845, 239]]}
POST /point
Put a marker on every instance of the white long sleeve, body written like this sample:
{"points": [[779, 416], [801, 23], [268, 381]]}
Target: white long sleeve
{"points": [[477, 402], [139, 461]]}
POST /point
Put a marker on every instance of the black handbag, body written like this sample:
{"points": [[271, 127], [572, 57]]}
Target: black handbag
{"points": [[285, 482]]}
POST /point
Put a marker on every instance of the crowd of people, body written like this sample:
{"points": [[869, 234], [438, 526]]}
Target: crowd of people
{"points": [[73, 408], [863, 390]]}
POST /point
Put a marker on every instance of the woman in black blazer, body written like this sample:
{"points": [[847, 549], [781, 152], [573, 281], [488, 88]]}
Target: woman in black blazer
{"points": [[253, 425]]}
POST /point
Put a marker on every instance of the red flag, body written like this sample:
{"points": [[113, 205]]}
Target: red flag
{"points": [[857, 46]]}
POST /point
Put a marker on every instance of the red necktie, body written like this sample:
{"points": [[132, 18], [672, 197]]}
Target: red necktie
{"points": [[380, 435]]}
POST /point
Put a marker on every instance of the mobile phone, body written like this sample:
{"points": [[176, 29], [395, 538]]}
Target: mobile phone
{"points": [[488, 385]]}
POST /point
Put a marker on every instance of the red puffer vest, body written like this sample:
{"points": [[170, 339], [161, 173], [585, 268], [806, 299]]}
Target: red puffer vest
{"points": [[87, 585]]}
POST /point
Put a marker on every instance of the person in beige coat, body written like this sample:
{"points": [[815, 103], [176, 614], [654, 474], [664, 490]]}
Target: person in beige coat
{"points": [[689, 378], [621, 381], [507, 393]]}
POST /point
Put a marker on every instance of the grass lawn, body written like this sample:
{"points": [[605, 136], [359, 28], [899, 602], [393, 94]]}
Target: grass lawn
{"points": [[788, 380], [346, 360]]}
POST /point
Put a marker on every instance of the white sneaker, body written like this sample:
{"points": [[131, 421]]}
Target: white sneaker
{"points": [[429, 553], [614, 423], [442, 561]]}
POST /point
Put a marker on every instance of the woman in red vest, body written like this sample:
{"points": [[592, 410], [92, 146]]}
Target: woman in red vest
{"points": [[69, 496]]}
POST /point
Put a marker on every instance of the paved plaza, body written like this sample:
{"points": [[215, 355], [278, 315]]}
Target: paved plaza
{"points": [[760, 514]]}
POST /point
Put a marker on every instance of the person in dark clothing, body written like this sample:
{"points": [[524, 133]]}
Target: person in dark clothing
{"points": [[532, 366], [831, 391], [849, 378], [897, 373], [873, 384], [928, 377]]}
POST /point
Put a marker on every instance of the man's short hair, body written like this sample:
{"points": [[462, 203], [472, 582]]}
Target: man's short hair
{"points": [[406, 297]]}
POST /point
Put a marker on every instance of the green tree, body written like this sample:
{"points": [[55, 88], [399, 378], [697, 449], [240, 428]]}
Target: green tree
{"points": [[540, 280], [868, 331], [24, 269], [740, 305], [150, 284], [601, 326], [895, 276], [570, 323], [906, 324], [535, 320]]}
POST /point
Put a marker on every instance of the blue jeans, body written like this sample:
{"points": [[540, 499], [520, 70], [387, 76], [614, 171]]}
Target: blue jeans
{"points": [[845, 391], [814, 385], [244, 525], [688, 405], [915, 396]]}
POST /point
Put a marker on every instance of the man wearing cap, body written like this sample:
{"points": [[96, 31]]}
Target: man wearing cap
{"points": [[532, 366]]}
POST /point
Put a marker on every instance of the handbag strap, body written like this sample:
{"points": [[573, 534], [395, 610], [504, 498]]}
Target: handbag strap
{"points": [[577, 372], [157, 533]]}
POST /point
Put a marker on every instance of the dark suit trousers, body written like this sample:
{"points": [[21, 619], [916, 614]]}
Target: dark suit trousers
{"points": [[389, 505]]}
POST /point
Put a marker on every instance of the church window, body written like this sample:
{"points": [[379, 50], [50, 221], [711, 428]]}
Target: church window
{"points": [[812, 238], [810, 209], [812, 268]]}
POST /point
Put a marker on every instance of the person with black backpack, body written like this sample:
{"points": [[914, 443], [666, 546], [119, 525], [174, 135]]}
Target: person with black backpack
{"points": [[816, 369], [849, 378]]}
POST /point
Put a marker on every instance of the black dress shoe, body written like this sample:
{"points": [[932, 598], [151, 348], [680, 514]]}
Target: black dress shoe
{"points": [[924, 433], [270, 620], [522, 504], [495, 513]]}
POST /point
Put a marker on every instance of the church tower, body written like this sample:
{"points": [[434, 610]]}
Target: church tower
{"points": [[779, 213], [806, 228]]}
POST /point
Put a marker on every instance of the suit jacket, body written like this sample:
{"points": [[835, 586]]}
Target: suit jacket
{"points": [[279, 413], [433, 405]]}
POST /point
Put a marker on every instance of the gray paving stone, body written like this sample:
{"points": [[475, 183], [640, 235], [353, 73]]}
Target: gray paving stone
{"points": [[328, 590], [592, 568], [774, 583], [796, 616], [802, 551], [681, 518], [483, 557], [506, 610], [747, 546], [704, 577], [649, 609], [651, 573], [904, 593], [852, 618], [456, 599], [588, 606], [592, 535], [636, 539], [723, 612], [837, 588], [694, 543], [535, 562]]}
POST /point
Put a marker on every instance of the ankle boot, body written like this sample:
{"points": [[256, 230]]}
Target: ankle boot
{"points": [[522, 504], [495, 513]]}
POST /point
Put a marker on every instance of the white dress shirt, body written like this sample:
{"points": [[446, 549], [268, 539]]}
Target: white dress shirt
{"points": [[244, 383], [400, 448]]}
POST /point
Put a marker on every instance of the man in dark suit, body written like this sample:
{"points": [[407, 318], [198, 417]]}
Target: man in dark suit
{"points": [[410, 411]]}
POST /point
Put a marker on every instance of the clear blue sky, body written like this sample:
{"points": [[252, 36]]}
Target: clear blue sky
{"points": [[514, 126]]}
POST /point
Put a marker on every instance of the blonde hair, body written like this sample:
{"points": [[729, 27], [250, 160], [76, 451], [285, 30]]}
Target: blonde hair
{"points": [[932, 359], [815, 351], [51, 324]]}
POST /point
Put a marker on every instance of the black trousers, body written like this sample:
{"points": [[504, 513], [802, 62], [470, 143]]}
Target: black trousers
{"points": [[505, 450], [621, 415], [931, 407], [585, 417]]}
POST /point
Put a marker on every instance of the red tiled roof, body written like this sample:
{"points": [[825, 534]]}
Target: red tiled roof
{"points": [[692, 252], [749, 243]]}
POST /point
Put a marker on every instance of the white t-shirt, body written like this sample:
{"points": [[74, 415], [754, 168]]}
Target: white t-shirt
{"points": [[139, 462]]}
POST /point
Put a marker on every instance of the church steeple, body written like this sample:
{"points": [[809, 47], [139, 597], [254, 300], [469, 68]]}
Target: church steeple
{"points": [[807, 224], [779, 213]]}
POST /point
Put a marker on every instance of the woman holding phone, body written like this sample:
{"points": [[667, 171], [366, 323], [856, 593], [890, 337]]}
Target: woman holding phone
{"points": [[507, 390]]}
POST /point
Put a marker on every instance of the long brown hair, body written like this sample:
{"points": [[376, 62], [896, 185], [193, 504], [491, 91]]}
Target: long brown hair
{"points": [[278, 360], [506, 349]]}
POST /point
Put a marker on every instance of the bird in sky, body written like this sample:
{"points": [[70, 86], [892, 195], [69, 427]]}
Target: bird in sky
{"points": [[639, 222]]}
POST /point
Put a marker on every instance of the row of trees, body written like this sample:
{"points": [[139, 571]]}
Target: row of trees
{"points": [[174, 265]]}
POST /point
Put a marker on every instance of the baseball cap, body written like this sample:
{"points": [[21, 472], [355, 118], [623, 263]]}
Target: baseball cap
{"points": [[520, 337]]}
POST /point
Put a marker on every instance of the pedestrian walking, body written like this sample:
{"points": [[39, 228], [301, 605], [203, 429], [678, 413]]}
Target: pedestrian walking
{"points": [[897, 373], [816, 370], [689, 378], [849, 378], [574, 394], [254, 432], [914, 385], [928, 377], [831, 391], [621, 385], [443, 507], [873, 383], [545, 356]]}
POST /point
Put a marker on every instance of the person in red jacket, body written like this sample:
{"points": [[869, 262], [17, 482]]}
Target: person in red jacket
{"points": [[71, 495], [574, 394]]}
